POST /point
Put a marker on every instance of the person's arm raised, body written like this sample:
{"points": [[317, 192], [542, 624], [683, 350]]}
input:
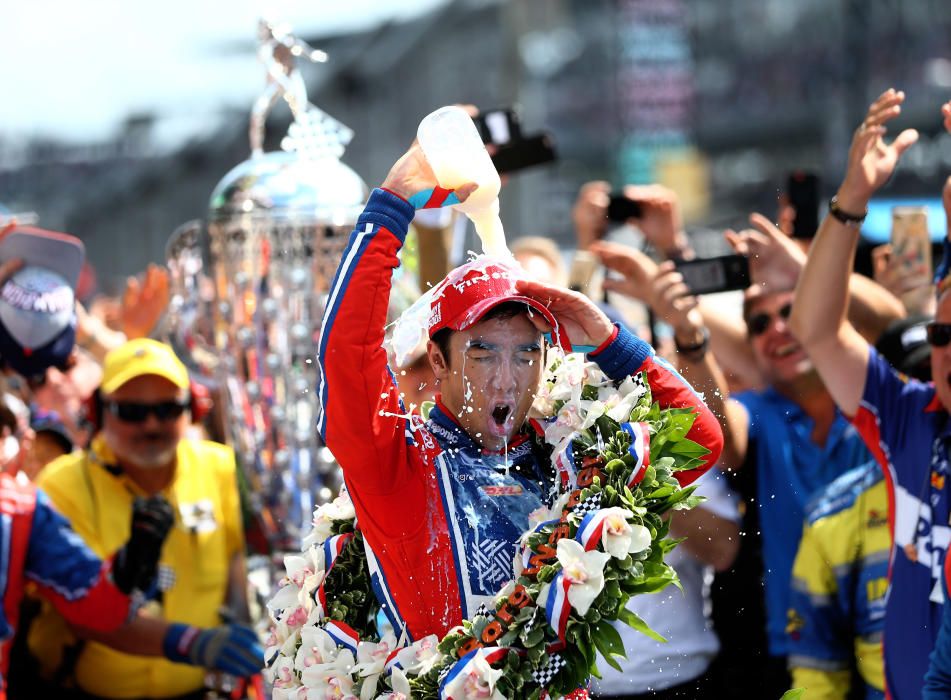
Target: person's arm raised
{"points": [[619, 353], [360, 417], [818, 319]]}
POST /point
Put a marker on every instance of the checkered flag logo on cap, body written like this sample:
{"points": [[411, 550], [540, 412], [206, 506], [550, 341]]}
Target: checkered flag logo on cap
{"points": [[589, 505], [482, 610], [543, 676], [166, 578]]}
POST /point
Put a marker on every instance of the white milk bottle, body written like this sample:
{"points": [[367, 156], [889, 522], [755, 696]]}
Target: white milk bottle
{"points": [[454, 149]]}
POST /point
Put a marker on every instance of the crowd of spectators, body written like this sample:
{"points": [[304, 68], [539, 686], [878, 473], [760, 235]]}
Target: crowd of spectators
{"points": [[816, 561]]}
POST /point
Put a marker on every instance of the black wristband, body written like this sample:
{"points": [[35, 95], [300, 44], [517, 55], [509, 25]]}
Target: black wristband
{"points": [[697, 352], [853, 220]]}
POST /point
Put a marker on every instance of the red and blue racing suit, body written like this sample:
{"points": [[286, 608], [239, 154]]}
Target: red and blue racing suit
{"points": [[38, 544], [440, 517]]}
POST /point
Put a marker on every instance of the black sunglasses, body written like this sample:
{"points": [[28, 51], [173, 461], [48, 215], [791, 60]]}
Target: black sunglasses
{"points": [[758, 323], [939, 334], [132, 412]]}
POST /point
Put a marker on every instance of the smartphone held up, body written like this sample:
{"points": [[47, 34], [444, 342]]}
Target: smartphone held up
{"points": [[724, 273], [911, 248], [513, 150]]}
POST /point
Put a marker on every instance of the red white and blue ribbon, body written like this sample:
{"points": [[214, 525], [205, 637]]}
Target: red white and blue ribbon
{"points": [[464, 666], [332, 547], [557, 608], [590, 529], [640, 449], [343, 635], [393, 662], [565, 464]]}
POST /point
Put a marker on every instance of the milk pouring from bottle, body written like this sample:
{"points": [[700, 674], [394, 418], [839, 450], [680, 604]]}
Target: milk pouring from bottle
{"points": [[454, 150]]}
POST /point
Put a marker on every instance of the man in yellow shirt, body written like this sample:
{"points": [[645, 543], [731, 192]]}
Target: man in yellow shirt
{"points": [[139, 451]]}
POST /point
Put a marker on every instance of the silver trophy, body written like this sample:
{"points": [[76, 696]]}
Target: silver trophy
{"points": [[248, 297]]}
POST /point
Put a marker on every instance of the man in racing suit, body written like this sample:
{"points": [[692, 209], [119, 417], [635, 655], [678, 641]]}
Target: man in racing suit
{"points": [[39, 546], [441, 504]]}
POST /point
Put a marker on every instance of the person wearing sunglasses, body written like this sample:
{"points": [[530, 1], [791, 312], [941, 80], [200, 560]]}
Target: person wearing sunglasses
{"points": [[139, 450], [905, 422], [789, 432]]}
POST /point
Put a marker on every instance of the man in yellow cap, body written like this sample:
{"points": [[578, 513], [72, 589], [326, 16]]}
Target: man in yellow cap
{"points": [[139, 451]]}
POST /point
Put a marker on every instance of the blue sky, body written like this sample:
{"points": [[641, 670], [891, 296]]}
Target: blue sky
{"points": [[75, 70]]}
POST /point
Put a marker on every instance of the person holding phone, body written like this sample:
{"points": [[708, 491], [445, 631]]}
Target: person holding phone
{"points": [[801, 442], [904, 422]]}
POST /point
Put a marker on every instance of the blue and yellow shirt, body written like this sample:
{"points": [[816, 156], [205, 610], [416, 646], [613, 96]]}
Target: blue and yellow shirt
{"points": [[839, 582], [908, 432]]}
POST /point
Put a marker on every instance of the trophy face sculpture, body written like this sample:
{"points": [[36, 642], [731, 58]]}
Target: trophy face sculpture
{"points": [[248, 297]]}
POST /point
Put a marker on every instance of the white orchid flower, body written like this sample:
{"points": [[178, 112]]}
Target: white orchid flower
{"points": [[305, 573], [619, 538], [341, 508], [371, 658], [584, 571], [316, 648], [592, 410], [477, 682], [331, 680], [543, 405], [400, 686], [419, 658], [298, 693], [281, 673]]}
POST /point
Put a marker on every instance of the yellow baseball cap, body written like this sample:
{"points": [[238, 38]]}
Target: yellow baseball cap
{"points": [[139, 357]]}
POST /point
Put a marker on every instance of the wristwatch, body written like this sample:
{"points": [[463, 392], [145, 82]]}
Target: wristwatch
{"points": [[694, 353], [853, 220]]}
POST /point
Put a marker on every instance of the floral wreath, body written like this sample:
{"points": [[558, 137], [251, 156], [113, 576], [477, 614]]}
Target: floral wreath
{"points": [[602, 541]]}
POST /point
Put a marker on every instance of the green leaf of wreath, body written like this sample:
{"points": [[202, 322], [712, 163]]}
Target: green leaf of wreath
{"points": [[632, 620], [609, 643]]}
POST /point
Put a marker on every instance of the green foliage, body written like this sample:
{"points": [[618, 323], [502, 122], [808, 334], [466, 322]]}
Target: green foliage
{"points": [[350, 597]]}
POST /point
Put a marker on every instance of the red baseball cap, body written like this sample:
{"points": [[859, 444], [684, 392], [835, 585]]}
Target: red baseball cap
{"points": [[469, 292]]}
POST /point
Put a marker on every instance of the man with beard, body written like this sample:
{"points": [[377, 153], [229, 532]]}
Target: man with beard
{"points": [[441, 504], [138, 451], [904, 421]]}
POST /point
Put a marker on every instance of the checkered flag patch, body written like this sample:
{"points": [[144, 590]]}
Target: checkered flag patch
{"points": [[543, 676], [444, 673], [530, 624], [482, 610], [640, 385], [588, 505], [166, 578]]}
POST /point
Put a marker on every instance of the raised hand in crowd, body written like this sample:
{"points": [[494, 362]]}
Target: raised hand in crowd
{"points": [[871, 160], [636, 269], [590, 213], [660, 220], [775, 261], [143, 303]]}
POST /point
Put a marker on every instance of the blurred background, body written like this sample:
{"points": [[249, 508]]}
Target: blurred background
{"points": [[118, 119]]}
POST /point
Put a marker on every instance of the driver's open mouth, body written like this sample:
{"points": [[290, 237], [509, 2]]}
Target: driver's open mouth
{"points": [[500, 413]]}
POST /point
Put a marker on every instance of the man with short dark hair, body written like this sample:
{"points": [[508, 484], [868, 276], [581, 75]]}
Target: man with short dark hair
{"points": [[441, 504]]}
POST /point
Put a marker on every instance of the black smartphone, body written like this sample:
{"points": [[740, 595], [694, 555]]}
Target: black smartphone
{"points": [[513, 151], [524, 153], [499, 126], [802, 189], [711, 275], [621, 208]]}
